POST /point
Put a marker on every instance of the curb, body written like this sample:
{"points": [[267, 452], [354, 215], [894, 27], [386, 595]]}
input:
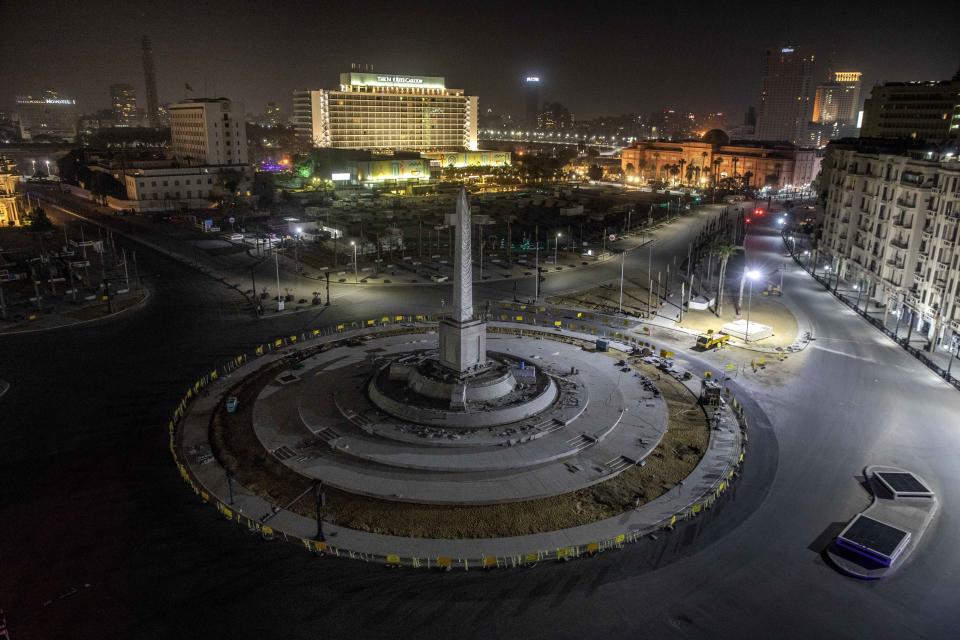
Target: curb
{"points": [[137, 306]]}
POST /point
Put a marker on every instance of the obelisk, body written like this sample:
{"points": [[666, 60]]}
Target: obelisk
{"points": [[463, 338]]}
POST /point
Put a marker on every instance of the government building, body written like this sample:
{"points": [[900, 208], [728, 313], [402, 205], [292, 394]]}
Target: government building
{"points": [[386, 112]]}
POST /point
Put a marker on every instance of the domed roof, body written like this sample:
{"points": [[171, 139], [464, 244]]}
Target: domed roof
{"points": [[716, 137]]}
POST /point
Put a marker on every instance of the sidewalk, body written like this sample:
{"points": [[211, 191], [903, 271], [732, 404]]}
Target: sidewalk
{"points": [[940, 361]]}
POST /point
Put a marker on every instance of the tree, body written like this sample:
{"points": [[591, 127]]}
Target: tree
{"points": [[37, 220], [682, 163], [595, 172], [724, 252], [747, 180]]}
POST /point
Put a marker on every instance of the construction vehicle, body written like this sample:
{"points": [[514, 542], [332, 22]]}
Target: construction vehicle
{"points": [[711, 340]]}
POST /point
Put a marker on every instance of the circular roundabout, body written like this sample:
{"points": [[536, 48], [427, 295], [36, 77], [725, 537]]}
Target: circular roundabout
{"points": [[551, 445]]}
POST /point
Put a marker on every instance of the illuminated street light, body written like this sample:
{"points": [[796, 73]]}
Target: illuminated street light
{"points": [[356, 277], [751, 274]]}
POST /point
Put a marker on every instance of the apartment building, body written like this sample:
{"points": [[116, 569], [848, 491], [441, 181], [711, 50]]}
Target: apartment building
{"points": [[891, 221]]}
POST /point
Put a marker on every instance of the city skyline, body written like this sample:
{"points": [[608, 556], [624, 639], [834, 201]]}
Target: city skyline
{"points": [[655, 66]]}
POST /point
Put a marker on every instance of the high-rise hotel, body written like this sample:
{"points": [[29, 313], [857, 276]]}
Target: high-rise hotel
{"points": [[387, 112]]}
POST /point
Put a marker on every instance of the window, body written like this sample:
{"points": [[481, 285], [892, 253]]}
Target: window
{"points": [[166, 184], [176, 183]]}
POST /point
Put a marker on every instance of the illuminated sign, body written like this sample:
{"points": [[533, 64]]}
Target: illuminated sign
{"points": [[336, 177], [533, 79], [390, 80], [786, 50], [847, 76]]}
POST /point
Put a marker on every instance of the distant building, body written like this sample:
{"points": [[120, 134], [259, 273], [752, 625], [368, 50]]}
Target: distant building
{"points": [[553, 117], [532, 99], [387, 112], [694, 163], [838, 100], [47, 116], [892, 224], [785, 84], [123, 105], [150, 81], [11, 213], [273, 114], [208, 131], [927, 110]]}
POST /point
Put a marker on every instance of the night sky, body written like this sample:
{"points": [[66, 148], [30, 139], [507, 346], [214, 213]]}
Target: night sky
{"points": [[597, 58]]}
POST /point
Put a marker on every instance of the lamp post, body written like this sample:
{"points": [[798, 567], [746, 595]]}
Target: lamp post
{"points": [[859, 288], [556, 248], [955, 343], [356, 277], [751, 275], [623, 259], [276, 262]]}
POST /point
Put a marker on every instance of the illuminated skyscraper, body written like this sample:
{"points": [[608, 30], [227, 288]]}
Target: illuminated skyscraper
{"points": [[533, 101], [123, 105], [785, 85]]}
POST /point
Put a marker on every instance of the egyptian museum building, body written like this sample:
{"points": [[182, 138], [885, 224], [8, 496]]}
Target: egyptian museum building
{"points": [[751, 164]]}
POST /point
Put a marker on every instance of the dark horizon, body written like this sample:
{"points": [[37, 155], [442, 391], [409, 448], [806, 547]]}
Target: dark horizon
{"points": [[601, 63]]}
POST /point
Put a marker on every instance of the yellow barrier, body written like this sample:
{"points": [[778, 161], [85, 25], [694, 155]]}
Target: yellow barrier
{"points": [[393, 560], [488, 562], [444, 562]]}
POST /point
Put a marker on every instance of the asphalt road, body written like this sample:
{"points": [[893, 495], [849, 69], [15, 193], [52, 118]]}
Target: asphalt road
{"points": [[101, 539]]}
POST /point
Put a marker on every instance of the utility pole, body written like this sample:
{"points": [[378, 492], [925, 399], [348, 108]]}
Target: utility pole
{"points": [[623, 259], [126, 273], [536, 294], [276, 261], [256, 298], [327, 278], [320, 497]]}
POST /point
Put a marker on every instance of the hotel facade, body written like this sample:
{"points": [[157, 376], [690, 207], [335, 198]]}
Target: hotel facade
{"points": [[891, 224], [387, 112]]}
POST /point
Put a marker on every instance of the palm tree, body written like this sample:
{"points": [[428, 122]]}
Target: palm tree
{"points": [[716, 171], [703, 162], [656, 166], [747, 177], [736, 161], [724, 251], [682, 164]]}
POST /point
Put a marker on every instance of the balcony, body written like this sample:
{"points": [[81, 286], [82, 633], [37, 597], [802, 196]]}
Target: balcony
{"points": [[895, 264], [900, 243], [905, 223], [907, 203]]}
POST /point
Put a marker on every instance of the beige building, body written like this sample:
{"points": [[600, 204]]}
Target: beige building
{"points": [[891, 221], [387, 112], [208, 131], [693, 162]]}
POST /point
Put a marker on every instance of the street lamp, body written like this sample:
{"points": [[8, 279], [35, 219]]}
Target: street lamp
{"points": [[556, 248], [356, 277], [859, 290], [751, 275]]}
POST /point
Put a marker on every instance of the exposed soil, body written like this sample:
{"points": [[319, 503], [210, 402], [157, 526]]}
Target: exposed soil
{"points": [[238, 449]]}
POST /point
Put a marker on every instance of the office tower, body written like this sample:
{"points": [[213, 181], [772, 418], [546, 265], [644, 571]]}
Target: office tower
{"points": [[208, 131], [922, 110], [532, 84], [123, 105]]}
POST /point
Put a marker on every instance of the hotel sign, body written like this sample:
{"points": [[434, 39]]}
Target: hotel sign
{"points": [[390, 80]]}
